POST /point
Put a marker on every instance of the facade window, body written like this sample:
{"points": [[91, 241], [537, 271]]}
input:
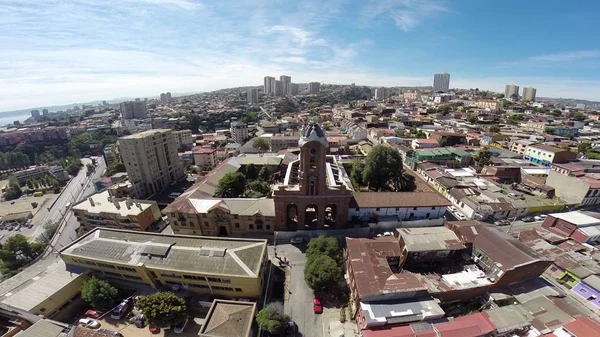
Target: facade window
{"points": [[397, 209], [432, 208], [268, 227], [251, 226], [235, 216], [377, 209], [238, 290], [414, 208], [205, 223], [237, 225], [259, 227]]}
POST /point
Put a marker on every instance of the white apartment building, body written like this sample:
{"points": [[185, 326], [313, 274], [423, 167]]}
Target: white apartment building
{"points": [[252, 96], [529, 94], [183, 138], [278, 91], [510, 90], [286, 84], [151, 160], [441, 82], [133, 109], [269, 88], [239, 132], [295, 89]]}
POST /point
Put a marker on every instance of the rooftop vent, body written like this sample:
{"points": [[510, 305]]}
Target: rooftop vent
{"points": [[212, 252]]}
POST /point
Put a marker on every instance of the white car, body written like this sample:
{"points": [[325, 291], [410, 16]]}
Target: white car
{"points": [[180, 326], [89, 323], [540, 217], [460, 216]]}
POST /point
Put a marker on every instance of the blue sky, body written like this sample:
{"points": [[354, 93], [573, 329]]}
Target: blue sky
{"points": [[64, 51]]}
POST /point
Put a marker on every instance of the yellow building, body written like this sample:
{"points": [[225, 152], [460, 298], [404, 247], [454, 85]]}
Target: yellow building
{"points": [[103, 210], [221, 267]]}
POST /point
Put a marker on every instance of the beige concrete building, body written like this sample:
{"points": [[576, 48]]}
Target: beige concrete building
{"points": [[529, 94], [283, 142], [102, 210], [519, 146], [204, 157], [220, 267], [151, 160], [183, 138], [491, 104], [239, 132]]}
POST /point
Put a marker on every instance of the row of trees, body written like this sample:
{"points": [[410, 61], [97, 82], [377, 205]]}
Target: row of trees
{"points": [[45, 181], [322, 271], [16, 253], [249, 182], [382, 170], [13, 161]]}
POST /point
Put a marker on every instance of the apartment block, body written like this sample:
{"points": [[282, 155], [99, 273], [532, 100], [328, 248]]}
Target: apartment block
{"points": [[286, 85], [36, 172], [133, 109], [268, 85], [218, 267], [239, 132], [441, 82], [528, 94], [519, 146], [204, 157], [252, 96], [511, 90], [183, 138], [314, 87], [283, 142], [151, 159], [103, 210], [547, 155]]}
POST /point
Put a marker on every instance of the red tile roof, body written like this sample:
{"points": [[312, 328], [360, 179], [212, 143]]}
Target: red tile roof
{"points": [[583, 327], [476, 325]]}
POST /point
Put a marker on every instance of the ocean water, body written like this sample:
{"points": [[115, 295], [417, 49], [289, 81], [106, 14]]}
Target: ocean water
{"points": [[10, 117]]}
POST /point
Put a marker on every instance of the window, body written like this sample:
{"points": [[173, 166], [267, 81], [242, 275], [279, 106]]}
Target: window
{"points": [[414, 208], [235, 216], [205, 223], [259, 227], [268, 227], [397, 209], [237, 225], [432, 208], [377, 209], [251, 226], [427, 216], [238, 290]]}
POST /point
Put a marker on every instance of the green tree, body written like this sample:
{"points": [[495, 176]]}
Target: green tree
{"points": [[232, 185], [163, 308], [271, 318], [584, 147], [356, 175], [257, 189], [549, 130], [323, 273], [494, 128], [444, 109], [251, 171], [483, 158], [382, 166], [99, 293], [264, 174], [261, 144], [13, 191], [323, 245], [580, 116], [420, 134], [472, 119], [442, 141]]}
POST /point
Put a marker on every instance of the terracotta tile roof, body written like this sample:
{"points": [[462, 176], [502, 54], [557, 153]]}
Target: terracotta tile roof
{"points": [[372, 273], [475, 325], [398, 200], [465, 230]]}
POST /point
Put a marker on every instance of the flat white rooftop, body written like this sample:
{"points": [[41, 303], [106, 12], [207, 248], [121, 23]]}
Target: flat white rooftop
{"points": [[577, 218], [467, 279]]}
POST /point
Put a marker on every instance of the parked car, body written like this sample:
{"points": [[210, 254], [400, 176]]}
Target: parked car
{"points": [[140, 321], [120, 311], [503, 222], [460, 216], [154, 329], [89, 323], [181, 326], [540, 217], [528, 219], [93, 314], [297, 239], [317, 307]]}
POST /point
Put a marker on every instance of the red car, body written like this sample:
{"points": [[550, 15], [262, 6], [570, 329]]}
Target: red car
{"points": [[154, 329], [317, 307], [93, 314]]}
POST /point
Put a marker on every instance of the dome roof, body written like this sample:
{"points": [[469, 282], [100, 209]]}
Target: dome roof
{"points": [[313, 132]]}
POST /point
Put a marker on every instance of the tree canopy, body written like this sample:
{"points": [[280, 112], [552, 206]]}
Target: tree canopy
{"points": [[323, 245], [271, 318], [257, 189], [261, 144], [264, 174], [382, 168], [322, 273], [483, 157], [99, 293], [17, 252], [163, 308], [231, 185]]}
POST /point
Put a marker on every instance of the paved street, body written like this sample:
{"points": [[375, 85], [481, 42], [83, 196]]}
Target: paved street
{"points": [[299, 303]]}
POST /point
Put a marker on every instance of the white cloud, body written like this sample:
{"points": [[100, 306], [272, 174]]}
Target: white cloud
{"points": [[567, 56], [407, 14]]}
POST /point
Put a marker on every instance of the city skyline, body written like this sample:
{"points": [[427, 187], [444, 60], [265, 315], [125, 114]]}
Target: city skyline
{"points": [[50, 58]]}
